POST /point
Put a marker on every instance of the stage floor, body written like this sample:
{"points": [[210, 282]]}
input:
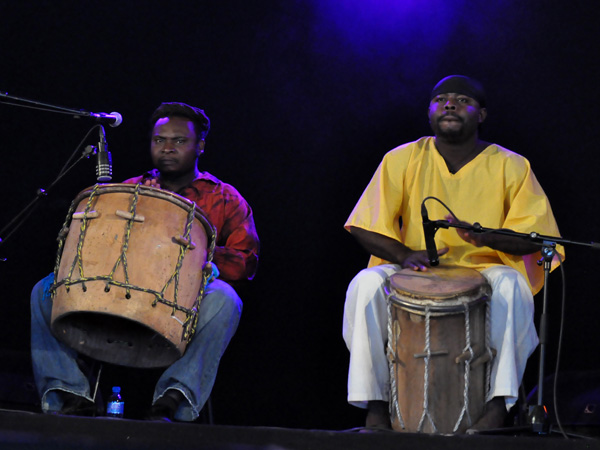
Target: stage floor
{"points": [[24, 430]]}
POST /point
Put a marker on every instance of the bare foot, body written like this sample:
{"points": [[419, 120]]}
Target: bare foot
{"points": [[493, 416], [378, 415]]}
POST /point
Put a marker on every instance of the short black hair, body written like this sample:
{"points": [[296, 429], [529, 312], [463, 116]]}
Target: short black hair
{"points": [[177, 109]]}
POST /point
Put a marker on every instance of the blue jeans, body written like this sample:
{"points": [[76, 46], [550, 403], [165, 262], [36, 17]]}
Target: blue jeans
{"points": [[55, 365]]}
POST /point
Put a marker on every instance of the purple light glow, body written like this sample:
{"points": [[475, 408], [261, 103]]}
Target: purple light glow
{"points": [[413, 39], [366, 25]]}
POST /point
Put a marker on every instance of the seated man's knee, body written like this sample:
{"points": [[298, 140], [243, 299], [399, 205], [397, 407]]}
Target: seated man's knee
{"points": [[221, 298], [41, 299], [368, 279], [509, 286]]}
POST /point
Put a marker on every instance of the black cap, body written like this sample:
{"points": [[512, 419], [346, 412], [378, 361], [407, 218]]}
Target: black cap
{"points": [[460, 84]]}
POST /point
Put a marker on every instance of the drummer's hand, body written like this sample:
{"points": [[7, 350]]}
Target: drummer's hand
{"points": [[419, 261], [152, 182], [469, 236]]}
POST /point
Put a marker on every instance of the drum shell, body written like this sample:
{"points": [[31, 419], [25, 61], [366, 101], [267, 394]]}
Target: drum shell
{"points": [[445, 379], [108, 326]]}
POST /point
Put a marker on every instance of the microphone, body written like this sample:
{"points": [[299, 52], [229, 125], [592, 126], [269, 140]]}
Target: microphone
{"points": [[103, 159], [114, 119], [429, 229]]}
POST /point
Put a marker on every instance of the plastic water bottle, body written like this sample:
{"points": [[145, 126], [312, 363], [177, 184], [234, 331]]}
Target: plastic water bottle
{"points": [[115, 406]]}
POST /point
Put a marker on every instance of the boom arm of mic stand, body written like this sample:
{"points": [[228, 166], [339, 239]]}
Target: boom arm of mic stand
{"points": [[534, 237], [42, 106]]}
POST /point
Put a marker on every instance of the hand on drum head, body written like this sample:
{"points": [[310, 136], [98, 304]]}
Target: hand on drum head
{"points": [[152, 182], [418, 260]]}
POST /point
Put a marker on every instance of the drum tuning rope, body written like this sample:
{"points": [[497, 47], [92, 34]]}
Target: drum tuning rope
{"points": [[123, 256], [426, 412], [392, 360], [488, 349], [189, 326], [78, 261], [62, 236], [183, 248], [468, 348]]}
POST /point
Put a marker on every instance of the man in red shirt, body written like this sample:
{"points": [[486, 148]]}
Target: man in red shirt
{"points": [[177, 141]]}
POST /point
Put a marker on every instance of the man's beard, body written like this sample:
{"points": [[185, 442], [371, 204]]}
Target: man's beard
{"points": [[454, 136]]}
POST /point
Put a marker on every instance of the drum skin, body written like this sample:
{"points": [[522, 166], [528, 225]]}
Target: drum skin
{"points": [[129, 326], [432, 401]]}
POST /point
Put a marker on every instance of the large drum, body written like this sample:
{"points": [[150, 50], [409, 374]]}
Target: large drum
{"points": [[131, 269], [437, 348]]}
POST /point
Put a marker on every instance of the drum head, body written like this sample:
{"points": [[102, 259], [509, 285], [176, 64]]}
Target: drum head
{"points": [[444, 288]]}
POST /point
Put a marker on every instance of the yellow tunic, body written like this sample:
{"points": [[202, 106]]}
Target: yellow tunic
{"points": [[496, 189]]}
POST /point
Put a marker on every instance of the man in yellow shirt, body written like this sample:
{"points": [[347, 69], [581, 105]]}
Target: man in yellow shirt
{"points": [[480, 182]]}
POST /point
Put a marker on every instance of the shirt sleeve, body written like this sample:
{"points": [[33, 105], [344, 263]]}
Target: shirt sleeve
{"points": [[237, 246], [530, 210], [378, 209]]}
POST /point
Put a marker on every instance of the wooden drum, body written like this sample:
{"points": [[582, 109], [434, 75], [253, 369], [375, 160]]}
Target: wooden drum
{"points": [[131, 269], [438, 349]]}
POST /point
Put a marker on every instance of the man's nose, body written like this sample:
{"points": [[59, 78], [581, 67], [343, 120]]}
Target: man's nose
{"points": [[450, 105], [169, 146]]}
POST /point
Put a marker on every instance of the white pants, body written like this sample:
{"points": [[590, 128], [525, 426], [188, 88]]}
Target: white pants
{"points": [[513, 333]]}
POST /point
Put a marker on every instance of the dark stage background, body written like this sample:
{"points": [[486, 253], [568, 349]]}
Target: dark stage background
{"points": [[305, 97]]}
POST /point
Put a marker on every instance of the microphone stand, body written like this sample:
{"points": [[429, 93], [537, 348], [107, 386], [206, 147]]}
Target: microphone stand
{"points": [[537, 414]]}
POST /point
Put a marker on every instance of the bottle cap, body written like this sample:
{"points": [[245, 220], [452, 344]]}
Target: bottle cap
{"points": [[116, 389]]}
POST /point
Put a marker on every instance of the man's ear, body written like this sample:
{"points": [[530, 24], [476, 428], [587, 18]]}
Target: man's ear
{"points": [[482, 115], [200, 148]]}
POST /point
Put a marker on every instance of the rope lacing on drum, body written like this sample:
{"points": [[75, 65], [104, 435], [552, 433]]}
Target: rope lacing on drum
{"points": [[189, 326], [62, 237], [427, 358], [488, 349], [467, 348], [191, 315], [392, 360], [123, 256], [78, 260]]}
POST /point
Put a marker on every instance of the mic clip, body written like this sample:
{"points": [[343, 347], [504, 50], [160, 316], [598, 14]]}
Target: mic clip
{"points": [[89, 151], [436, 224]]}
